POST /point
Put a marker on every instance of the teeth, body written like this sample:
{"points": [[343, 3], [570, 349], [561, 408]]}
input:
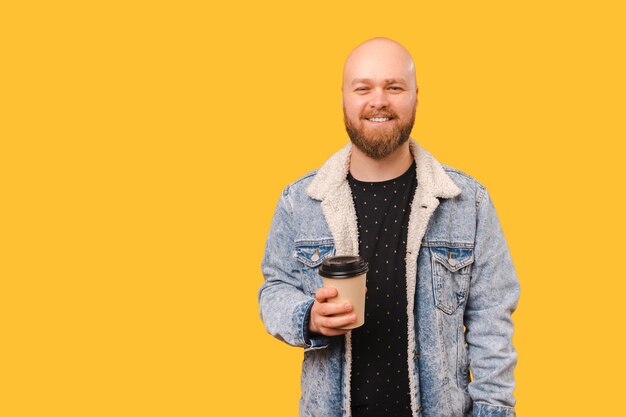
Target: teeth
{"points": [[379, 119]]}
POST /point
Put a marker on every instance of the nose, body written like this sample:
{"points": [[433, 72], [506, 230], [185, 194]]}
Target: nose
{"points": [[379, 99]]}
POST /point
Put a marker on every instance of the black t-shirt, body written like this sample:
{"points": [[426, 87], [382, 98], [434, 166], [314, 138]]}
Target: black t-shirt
{"points": [[380, 382]]}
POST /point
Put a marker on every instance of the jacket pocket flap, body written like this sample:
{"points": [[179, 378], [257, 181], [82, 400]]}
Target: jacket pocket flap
{"points": [[313, 252], [453, 259]]}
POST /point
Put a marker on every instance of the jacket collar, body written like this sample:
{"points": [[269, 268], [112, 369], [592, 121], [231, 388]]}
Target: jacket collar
{"points": [[431, 177]]}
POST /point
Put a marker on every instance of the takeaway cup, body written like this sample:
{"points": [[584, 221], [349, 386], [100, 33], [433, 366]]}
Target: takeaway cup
{"points": [[347, 275]]}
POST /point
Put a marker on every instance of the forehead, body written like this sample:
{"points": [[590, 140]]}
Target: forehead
{"points": [[378, 64]]}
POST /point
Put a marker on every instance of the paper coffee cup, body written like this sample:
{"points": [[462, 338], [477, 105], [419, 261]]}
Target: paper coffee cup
{"points": [[347, 275]]}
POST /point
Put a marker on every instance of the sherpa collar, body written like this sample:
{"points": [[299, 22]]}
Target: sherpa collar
{"points": [[430, 174]]}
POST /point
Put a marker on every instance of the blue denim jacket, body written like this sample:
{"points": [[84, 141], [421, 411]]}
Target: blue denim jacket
{"points": [[461, 291]]}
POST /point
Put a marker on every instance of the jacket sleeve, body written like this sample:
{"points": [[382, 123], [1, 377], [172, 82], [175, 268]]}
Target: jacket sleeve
{"points": [[284, 306], [492, 300]]}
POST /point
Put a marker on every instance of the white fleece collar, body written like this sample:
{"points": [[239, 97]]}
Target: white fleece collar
{"points": [[430, 174]]}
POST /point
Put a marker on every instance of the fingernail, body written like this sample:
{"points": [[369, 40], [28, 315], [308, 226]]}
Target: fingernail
{"points": [[346, 306]]}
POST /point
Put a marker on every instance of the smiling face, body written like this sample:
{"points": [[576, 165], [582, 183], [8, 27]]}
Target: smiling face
{"points": [[379, 97]]}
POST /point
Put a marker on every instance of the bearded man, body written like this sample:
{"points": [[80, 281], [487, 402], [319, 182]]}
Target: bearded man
{"points": [[441, 286]]}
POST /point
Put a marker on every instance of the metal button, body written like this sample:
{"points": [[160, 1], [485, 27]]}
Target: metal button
{"points": [[452, 261]]}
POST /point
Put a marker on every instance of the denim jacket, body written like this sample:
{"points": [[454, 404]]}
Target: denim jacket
{"points": [[461, 291]]}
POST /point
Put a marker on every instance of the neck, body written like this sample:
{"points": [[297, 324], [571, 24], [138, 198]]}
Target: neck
{"points": [[366, 169]]}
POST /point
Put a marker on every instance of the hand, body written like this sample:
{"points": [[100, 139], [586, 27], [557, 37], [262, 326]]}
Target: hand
{"points": [[326, 318]]}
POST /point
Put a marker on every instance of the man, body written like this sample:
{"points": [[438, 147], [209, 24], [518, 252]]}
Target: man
{"points": [[441, 283]]}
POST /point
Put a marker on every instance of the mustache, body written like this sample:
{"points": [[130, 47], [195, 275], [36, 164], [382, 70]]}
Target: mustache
{"points": [[386, 114]]}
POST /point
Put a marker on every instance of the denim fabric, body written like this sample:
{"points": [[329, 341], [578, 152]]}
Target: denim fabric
{"points": [[462, 289]]}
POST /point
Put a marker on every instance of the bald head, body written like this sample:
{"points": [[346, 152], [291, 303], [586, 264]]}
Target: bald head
{"points": [[379, 57]]}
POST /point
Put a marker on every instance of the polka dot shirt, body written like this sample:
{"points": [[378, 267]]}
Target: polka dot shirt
{"points": [[380, 383]]}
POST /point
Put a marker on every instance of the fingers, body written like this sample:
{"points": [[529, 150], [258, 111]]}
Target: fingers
{"points": [[330, 309], [324, 293], [334, 322], [327, 318]]}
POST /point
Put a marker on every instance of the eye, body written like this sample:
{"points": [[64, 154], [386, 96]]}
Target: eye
{"points": [[361, 89], [395, 88]]}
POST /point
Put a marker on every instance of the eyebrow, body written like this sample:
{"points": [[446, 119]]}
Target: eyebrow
{"points": [[387, 81]]}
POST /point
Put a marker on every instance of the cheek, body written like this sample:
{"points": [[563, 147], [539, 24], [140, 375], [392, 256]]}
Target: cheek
{"points": [[353, 111], [354, 104], [406, 107]]}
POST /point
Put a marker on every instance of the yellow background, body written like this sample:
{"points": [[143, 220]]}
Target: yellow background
{"points": [[144, 146]]}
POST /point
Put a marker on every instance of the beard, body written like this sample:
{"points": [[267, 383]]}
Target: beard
{"points": [[381, 143]]}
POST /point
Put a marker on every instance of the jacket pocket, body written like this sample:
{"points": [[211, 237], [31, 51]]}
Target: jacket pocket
{"points": [[310, 253], [451, 269]]}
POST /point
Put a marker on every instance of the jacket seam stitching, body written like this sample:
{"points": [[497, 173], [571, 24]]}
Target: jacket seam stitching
{"points": [[481, 196], [494, 405], [469, 177]]}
